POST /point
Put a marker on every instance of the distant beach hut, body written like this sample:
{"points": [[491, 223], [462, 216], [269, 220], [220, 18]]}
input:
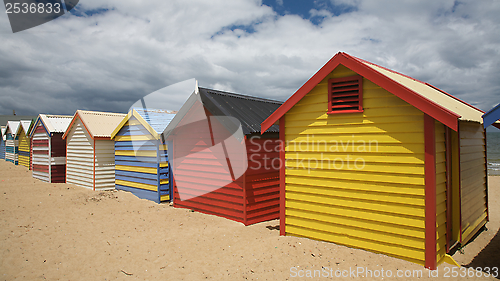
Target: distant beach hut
{"points": [[24, 143], [141, 161], [380, 161], [491, 117], [206, 177], [2, 142], [90, 152], [48, 149], [12, 142]]}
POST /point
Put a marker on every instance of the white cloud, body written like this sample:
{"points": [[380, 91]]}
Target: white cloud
{"points": [[110, 60]]}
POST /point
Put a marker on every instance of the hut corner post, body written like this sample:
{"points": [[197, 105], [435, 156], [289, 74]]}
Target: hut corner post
{"points": [[430, 193], [282, 176], [158, 179], [486, 171]]}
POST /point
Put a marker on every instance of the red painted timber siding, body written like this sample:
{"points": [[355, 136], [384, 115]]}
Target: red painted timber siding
{"points": [[40, 168], [262, 180], [251, 198], [58, 145], [202, 172], [58, 173]]}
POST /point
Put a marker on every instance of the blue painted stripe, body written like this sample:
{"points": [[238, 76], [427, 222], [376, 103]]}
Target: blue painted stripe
{"points": [[135, 164], [136, 175], [128, 143], [135, 159], [133, 131], [164, 193], [138, 180], [24, 153], [137, 148], [164, 188]]}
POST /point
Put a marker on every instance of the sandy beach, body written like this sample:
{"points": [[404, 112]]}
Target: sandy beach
{"points": [[66, 232]]}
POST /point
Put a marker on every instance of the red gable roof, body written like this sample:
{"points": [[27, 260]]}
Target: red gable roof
{"points": [[418, 100]]}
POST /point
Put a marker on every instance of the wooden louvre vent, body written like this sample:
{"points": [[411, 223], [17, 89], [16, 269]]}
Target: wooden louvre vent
{"points": [[345, 95]]}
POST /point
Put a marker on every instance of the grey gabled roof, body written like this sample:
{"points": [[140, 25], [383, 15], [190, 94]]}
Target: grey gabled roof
{"points": [[250, 111]]}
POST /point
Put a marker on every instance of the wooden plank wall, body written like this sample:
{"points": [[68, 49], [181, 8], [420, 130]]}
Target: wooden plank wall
{"points": [[12, 149], [41, 154], [473, 178], [440, 192], [200, 174], [2, 147], [262, 180], [58, 158], [138, 165], [24, 149], [80, 156], [378, 205], [104, 164]]}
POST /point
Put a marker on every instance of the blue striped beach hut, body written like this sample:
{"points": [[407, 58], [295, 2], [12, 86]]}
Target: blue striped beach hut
{"points": [[141, 161], [12, 142], [2, 142]]}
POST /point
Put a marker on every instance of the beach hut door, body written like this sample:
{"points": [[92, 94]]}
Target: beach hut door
{"points": [[452, 189]]}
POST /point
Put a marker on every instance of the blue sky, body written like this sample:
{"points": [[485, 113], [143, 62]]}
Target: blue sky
{"points": [[303, 8], [106, 54]]}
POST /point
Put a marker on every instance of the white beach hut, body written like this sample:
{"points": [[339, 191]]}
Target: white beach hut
{"points": [[90, 152]]}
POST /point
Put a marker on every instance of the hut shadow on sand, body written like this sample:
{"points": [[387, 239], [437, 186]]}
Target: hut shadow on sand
{"points": [[489, 255]]}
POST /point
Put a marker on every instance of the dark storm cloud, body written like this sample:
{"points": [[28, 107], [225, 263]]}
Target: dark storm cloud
{"points": [[107, 60]]}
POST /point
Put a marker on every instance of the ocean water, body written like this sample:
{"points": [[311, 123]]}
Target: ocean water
{"points": [[493, 143]]}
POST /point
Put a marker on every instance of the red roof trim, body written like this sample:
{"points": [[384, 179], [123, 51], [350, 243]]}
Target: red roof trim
{"points": [[447, 117], [71, 125]]}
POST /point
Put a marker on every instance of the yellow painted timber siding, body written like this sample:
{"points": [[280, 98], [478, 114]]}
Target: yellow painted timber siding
{"points": [[136, 153], [134, 138], [137, 169], [441, 239], [455, 187], [357, 179], [473, 178], [24, 148], [138, 185]]}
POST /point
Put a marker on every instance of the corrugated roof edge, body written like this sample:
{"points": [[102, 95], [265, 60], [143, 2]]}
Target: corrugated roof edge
{"points": [[242, 96], [42, 116], [409, 77], [133, 112], [77, 113], [224, 110]]}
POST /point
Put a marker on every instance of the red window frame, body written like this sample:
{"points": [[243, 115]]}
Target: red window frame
{"points": [[345, 82]]}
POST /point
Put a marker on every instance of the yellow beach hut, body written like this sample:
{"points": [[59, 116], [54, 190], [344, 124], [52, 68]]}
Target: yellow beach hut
{"points": [[377, 160], [24, 143]]}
